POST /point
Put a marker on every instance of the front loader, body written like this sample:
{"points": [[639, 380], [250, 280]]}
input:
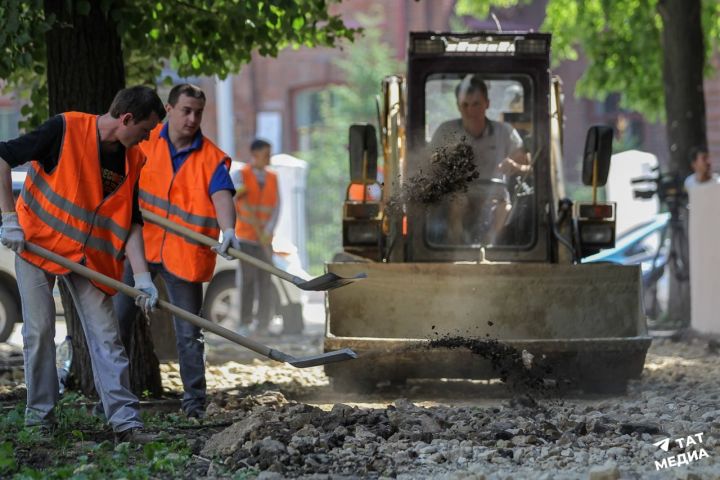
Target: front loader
{"points": [[519, 282]]}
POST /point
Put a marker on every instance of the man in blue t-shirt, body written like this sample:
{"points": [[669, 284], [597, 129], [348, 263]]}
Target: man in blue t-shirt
{"points": [[182, 134]]}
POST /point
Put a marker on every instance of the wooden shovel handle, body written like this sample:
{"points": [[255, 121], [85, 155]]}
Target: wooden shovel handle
{"points": [[210, 242], [133, 292]]}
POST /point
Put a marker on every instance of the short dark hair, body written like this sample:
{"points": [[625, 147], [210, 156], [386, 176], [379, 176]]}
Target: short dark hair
{"points": [[192, 91], [471, 84], [697, 150], [140, 101], [259, 144]]}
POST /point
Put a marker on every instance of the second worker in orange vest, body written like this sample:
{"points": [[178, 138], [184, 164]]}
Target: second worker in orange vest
{"points": [[258, 207], [186, 180]]}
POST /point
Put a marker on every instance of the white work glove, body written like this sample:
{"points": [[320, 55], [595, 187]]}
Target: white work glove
{"points": [[11, 233], [148, 301], [229, 241]]}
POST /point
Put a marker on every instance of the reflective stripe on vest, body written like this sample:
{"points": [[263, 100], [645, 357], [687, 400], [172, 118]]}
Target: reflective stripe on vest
{"points": [[182, 197], [257, 205], [197, 220], [66, 211]]}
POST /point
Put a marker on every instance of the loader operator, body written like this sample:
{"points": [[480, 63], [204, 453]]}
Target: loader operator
{"points": [[498, 153], [80, 201], [257, 204], [186, 180]]}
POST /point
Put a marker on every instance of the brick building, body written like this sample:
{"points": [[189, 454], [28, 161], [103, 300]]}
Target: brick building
{"points": [[277, 97]]}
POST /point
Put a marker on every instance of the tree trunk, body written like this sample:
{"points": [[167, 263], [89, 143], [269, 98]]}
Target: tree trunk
{"points": [[85, 70], [683, 64], [85, 67]]}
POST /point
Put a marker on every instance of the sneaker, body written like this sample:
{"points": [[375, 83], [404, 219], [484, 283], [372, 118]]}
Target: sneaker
{"points": [[134, 435]]}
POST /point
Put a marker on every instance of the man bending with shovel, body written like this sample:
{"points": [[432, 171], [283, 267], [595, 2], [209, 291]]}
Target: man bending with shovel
{"points": [[78, 201], [185, 180]]}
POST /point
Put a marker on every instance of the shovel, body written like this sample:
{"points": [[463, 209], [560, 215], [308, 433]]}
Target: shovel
{"points": [[327, 281], [312, 361]]}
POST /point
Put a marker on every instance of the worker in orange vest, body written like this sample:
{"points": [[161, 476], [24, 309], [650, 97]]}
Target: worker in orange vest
{"points": [[80, 201], [257, 203], [186, 179]]}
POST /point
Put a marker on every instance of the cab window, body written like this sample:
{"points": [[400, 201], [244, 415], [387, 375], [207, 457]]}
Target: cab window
{"points": [[494, 115]]}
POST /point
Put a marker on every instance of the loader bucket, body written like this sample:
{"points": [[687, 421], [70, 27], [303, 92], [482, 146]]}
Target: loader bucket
{"points": [[586, 321]]}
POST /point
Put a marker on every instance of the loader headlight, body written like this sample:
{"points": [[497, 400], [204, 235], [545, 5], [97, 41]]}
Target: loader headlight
{"points": [[432, 45], [597, 233], [531, 46], [362, 233]]}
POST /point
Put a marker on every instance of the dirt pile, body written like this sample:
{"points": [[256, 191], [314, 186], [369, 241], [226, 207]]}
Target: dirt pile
{"points": [[295, 439]]}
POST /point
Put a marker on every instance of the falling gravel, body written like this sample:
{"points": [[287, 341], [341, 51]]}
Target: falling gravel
{"points": [[452, 169], [517, 368]]}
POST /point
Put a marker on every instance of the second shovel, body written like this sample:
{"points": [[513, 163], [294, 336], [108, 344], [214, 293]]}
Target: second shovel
{"points": [[327, 281]]}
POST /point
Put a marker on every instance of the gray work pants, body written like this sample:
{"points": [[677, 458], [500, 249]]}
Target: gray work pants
{"points": [[255, 285], [189, 338], [107, 355]]}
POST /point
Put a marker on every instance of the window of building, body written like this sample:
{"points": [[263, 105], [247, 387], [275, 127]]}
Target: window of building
{"points": [[9, 117], [308, 118]]}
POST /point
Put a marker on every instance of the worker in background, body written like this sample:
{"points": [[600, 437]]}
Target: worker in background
{"points": [[257, 203], [80, 201], [702, 169], [186, 179]]}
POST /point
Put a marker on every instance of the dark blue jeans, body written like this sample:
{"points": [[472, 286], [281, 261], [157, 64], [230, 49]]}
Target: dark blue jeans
{"points": [[189, 338]]}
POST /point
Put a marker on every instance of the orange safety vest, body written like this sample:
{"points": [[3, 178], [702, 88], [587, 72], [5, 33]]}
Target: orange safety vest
{"points": [[65, 210], [183, 198], [257, 205]]}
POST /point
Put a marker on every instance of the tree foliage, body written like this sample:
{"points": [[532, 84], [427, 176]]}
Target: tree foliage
{"points": [[621, 39], [364, 65], [194, 37]]}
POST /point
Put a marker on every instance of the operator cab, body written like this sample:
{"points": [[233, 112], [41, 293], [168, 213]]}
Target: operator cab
{"points": [[499, 217]]}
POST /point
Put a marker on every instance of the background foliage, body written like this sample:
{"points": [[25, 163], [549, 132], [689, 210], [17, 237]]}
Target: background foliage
{"points": [[364, 65], [621, 40], [193, 37]]}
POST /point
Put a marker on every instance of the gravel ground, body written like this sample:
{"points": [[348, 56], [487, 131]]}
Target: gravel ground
{"points": [[289, 424]]}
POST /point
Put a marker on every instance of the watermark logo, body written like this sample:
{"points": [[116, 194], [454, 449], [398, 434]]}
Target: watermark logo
{"points": [[663, 444], [693, 451]]}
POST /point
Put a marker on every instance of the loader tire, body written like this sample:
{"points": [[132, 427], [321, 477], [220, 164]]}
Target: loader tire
{"points": [[220, 305]]}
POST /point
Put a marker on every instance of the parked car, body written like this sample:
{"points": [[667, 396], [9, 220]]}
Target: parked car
{"points": [[646, 245], [10, 312]]}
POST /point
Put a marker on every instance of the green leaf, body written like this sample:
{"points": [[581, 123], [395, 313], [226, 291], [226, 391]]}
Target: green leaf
{"points": [[7, 457]]}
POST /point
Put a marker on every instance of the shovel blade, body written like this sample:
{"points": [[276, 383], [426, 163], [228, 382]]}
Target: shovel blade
{"points": [[328, 281], [325, 358]]}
